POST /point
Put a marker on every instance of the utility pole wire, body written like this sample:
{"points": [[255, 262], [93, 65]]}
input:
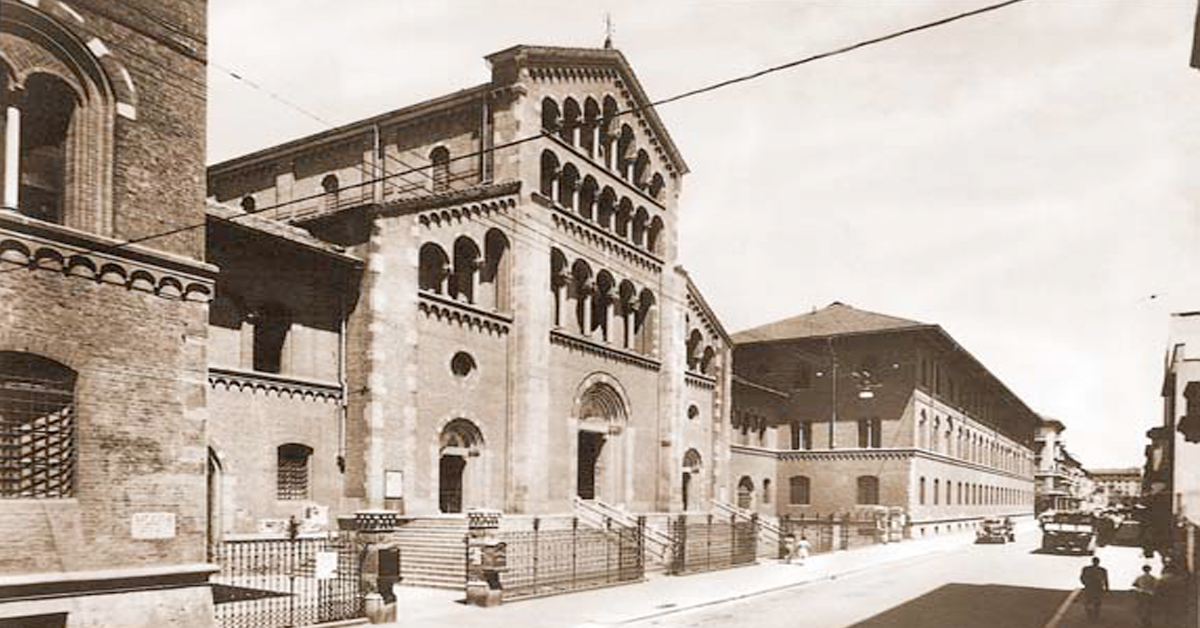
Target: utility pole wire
{"points": [[650, 105]]}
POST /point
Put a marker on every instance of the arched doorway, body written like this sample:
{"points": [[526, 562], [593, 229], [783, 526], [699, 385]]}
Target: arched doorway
{"points": [[745, 493], [691, 470], [599, 458], [460, 442]]}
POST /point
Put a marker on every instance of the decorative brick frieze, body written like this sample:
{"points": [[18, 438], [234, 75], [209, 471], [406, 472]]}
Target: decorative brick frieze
{"points": [[463, 314], [273, 384], [596, 237], [700, 381], [584, 345]]}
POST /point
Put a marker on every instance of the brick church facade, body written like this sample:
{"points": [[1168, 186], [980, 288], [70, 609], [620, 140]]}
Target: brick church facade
{"points": [[421, 312], [842, 409]]}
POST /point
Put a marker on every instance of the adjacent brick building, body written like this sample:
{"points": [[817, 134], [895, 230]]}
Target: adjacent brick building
{"points": [[428, 312], [842, 408], [102, 333]]}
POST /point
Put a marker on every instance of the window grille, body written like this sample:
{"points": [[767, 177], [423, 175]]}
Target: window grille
{"points": [[293, 472], [37, 428]]}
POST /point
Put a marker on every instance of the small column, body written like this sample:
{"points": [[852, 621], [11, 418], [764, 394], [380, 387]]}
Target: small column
{"points": [[12, 157]]}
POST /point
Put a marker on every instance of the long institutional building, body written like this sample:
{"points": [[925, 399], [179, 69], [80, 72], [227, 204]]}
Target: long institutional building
{"points": [[843, 409], [474, 301]]}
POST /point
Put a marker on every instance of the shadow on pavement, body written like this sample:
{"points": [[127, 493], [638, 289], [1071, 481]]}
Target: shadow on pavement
{"points": [[973, 606]]}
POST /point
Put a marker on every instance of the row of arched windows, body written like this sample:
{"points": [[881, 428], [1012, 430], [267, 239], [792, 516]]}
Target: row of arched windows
{"points": [[601, 206], [968, 494], [469, 274], [592, 128], [700, 358], [749, 425], [599, 306], [958, 440]]}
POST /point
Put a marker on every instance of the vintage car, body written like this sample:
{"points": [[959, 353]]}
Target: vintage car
{"points": [[995, 530], [1069, 532]]}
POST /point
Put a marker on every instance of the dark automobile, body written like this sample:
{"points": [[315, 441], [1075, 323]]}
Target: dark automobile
{"points": [[1069, 532], [995, 530]]}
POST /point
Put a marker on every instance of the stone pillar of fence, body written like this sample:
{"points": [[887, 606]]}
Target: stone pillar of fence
{"points": [[379, 562], [487, 558]]}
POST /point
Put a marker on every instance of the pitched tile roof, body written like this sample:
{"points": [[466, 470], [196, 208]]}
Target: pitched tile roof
{"points": [[833, 320]]}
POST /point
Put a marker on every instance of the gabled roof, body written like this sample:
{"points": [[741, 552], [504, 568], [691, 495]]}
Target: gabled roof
{"points": [[703, 306], [836, 319], [526, 55], [238, 219]]}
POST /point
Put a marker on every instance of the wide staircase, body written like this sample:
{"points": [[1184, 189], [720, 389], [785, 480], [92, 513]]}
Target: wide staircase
{"points": [[657, 542], [432, 553]]}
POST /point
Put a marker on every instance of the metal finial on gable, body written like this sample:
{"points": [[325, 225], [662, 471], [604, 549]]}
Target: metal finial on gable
{"points": [[608, 31]]}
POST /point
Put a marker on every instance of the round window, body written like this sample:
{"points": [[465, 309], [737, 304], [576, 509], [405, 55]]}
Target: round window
{"points": [[462, 364], [693, 412]]}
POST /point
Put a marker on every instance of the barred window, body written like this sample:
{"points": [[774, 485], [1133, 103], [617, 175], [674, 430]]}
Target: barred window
{"points": [[37, 427], [868, 489], [292, 482]]}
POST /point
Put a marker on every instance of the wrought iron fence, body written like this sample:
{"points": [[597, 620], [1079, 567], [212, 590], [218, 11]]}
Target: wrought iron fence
{"points": [[278, 583], [835, 531], [707, 542], [548, 556]]}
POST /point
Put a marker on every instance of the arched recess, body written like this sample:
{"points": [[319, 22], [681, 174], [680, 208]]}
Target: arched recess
{"points": [[497, 274], [39, 427], [549, 175], [439, 159], [214, 501], [625, 145], [568, 185], [602, 449], [656, 187], [691, 492], [745, 493], [550, 115], [624, 217], [466, 269], [607, 208], [641, 167], [654, 236], [435, 268], [571, 118], [461, 472], [641, 222], [589, 133], [707, 360], [695, 338], [559, 281], [602, 300], [581, 292], [608, 115], [330, 186], [645, 322], [588, 192], [626, 310], [60, 103]]}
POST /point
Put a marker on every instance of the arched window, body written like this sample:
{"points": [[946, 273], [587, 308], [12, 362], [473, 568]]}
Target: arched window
{"points": [[559, 280], [570, 121], [607, 209], [37, 427], [440, 174], [58, 109], [608, 116], [626, 311], [624, 217], [644, 322], [330, 186], [589, 136], [581, 291], [496, 270], [641, 220], [868, 489], [568, 184], [695, 338], [652, 236], [291, 481], [602, 300], [706, 361], [549, 178], [625, 152], [435, 268], [937, 489], [745, 493], [641, 165], [693, 412], [466, 269], [550, 115], [799, 490], [801, 435], [587, 197], [766, 491], [921, 493], [656, 187], [272, 324]]}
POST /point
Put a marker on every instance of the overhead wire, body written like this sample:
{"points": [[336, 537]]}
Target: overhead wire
{"points": [[542, 134]]}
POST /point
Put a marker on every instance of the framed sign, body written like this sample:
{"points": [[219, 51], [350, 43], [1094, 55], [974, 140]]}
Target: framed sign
{"points": [[393, 485]]}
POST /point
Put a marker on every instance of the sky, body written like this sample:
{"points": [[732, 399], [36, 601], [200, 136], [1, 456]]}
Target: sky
{"points": [[1019, 178]]}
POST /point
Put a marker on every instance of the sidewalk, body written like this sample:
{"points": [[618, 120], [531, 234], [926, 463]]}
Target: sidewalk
{"points": [[660, 594]]}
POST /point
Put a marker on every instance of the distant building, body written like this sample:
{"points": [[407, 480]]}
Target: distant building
{"points": [[843, 408], [1118, 487], [1060, 480]]}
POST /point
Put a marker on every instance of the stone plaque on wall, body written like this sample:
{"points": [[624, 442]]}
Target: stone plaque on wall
{"points": [[153, 525]]}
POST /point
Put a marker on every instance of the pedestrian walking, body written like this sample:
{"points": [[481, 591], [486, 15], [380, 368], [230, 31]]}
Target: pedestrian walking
{"points": [[1095, 585], [790, 548], [1144, 588], [802, 548]]}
